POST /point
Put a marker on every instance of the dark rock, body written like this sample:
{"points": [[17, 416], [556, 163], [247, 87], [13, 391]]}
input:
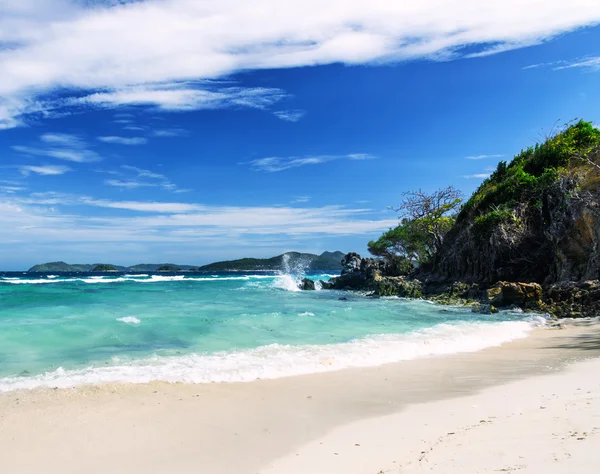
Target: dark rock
{"points": [[504, 294], [351, 263], [306, 284], [484, 308], [343, 298]]}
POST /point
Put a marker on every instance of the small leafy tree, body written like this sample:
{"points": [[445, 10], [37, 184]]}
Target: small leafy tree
{"points": [[405, 240], [433, 215], [425, 220]]}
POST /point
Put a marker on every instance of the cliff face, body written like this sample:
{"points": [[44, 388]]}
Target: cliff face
{"points": [[534, 219], [555, 238]]}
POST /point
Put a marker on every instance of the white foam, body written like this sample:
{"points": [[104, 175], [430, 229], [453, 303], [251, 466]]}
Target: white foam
{"points": [[51, 276], [276, 360], [129, 320], [286, 282], [306, 313]]}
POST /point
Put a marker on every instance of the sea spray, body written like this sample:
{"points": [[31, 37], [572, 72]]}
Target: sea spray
{"points": [[291, 273]]}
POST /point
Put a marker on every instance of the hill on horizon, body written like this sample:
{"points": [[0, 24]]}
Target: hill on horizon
{"points": [[327, 261], [289, 261]]}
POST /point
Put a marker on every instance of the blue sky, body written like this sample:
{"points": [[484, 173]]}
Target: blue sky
{"points": [[194, 131]]}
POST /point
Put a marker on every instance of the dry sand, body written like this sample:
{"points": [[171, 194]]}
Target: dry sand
{"points": [[530, 406]]}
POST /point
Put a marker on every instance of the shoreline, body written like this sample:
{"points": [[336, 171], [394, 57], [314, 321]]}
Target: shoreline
{"points": [[161, 427]]}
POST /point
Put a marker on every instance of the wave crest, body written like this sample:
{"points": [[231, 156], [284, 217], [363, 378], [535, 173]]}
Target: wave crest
{"points": [[276, 360]]}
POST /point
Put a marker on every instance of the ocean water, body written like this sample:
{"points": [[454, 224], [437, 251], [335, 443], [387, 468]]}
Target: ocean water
{"points": [[67, 330]]}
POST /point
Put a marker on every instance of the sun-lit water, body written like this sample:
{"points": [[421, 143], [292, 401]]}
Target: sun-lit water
{"points": [[60, 331]]}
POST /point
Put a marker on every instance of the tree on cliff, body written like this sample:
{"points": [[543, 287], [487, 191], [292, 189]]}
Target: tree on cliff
{"points": [[425, 220]]}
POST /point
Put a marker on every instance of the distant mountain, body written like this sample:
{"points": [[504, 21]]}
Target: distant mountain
{"points": [[62, 267], [290, 261], [154, 267]]}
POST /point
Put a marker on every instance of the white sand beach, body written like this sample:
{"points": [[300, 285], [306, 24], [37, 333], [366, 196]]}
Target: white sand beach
{"points": [[529, 406]]}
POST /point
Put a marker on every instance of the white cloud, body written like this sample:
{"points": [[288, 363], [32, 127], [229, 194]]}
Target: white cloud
{"points": [[47, 170], [483, 157], [301, 199], [131, 184], [169, 132], [61, 146], [183, 97], [132, 177], [136, 128], [477, 176], [55, 219], [158, 207], [11, 189], [124, 140], [590, 63], [112, 54], [274, 164], [290, 115]]}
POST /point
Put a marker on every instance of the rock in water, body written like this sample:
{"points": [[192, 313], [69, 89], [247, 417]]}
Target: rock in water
{"points": [[306, 284]]}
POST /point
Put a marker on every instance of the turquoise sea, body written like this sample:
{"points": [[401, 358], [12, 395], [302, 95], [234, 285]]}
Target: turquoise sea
{"points": [[66, 330]]}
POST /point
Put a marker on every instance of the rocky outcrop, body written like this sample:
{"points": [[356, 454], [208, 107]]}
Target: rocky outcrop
{"points": [[554, 238], [523, 295], [306, 284], [573, 299], [565, 299]]}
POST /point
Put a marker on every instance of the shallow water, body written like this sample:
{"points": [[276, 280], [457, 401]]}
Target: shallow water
{"points": [[64, 330]]}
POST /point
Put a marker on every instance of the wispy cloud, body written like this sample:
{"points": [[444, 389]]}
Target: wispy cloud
{"points": [[124, 140], [190, 46], [157, 207], [290, 115], [178, 221], [182, 97], [274, 164], [483, 157], [301, 199], [131, 184], [132, 177], [477, 176], [591, 63], [136, 128], [61, 146], [47, 170], [169, 132], [11, 189]]}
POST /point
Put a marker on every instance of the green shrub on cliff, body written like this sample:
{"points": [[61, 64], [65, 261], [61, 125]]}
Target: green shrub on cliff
{"points": [[534, 170]]}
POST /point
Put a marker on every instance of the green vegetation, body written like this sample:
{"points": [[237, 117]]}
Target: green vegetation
{"points": [[103, 267], [168, 268], [59, 267], [532, 171], [426, 220]]}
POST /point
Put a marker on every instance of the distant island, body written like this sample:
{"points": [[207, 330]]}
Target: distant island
{"points": [[327, 261]]}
